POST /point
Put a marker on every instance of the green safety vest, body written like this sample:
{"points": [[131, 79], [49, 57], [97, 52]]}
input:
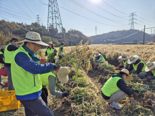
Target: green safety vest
{"points": [[135, 66], [8, 55], [49, 51], [110, 87], [101, 59], [24, 82], [44, 78]]}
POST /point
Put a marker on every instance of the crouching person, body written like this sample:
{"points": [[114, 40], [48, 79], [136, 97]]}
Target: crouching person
{"points": [[115, 89], [49, 82], [122, 60], [149, 72]]}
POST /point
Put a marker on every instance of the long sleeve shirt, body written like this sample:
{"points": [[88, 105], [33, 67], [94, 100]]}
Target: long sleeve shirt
{"points": [[139, 68], [122, 86]]}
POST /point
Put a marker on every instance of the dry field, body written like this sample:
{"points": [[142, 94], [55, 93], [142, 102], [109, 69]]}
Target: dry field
{"points": [[146, 52]]}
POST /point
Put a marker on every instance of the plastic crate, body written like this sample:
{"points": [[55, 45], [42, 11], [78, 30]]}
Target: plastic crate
{"points": [[8, 100]]}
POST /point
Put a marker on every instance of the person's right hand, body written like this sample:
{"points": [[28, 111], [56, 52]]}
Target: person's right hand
{"points": [[57, 67]]}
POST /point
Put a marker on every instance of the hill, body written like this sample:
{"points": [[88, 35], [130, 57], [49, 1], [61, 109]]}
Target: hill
{"points": [[14, 29], [124, 36]]}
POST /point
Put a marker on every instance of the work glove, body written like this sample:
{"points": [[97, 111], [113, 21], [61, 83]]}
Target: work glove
{"points": [[65, 94]]}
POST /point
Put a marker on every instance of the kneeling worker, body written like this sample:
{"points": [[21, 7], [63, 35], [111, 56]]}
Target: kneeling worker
{"points": [[115, 89], [150, 71], [122, 60]]}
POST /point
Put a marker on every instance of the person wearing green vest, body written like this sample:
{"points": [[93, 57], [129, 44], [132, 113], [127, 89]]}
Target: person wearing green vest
{"points": [[97, 60], [150, 71], [8, 56], [61, 51], [122, 60], [49, 81], [26, 70], [136, 66], [115, 89], [51, 52]]}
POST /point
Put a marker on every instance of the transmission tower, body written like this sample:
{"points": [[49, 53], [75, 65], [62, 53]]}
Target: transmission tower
{"points": [[54, 18], [132, 20], [38, 19]]}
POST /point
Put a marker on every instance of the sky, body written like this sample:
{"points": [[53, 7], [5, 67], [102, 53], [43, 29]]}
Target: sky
{"points": [[91, 17]]}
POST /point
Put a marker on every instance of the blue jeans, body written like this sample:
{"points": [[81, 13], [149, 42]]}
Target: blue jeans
{"points": [[36, 107]]}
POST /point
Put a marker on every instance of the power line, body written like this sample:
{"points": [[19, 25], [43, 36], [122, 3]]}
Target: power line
{"points": [[20, 8], [150, 28], [82, 16], [32, 11], [116, 9], [91, 11], [111, 13], [15, 12], [45, 4], [79, 15]]}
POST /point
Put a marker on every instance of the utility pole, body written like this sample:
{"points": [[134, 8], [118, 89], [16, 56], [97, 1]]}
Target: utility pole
{"points": [[132, 20], [144, 35], [54, 18], [38, 19], [95, 30]]}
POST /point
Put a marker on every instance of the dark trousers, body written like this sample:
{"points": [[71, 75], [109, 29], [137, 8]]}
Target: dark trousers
{"points": [[10, 84], [36, 107], [44, 95]]}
